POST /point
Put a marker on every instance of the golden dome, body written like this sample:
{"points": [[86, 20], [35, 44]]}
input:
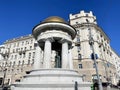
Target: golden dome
{"points": [[54, 19]]}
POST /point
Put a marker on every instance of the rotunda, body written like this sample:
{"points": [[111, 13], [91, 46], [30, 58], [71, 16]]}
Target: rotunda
{"points": [[53, 33]]}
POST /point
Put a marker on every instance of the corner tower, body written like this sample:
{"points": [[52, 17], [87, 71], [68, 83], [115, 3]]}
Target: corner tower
{"points": [[86, 27]]}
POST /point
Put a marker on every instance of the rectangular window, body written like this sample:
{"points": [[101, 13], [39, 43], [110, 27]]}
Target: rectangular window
{"points": [[20, 55], [33, 54], [25, 48], [78, 32], [80, 66], [29, 55], [78, 48], [93, 65], [28, 62], [92, 56], [21, 49], [90, 46], [78, 39], [23, 55], [79, 56], [31, 41], [22, 43], [15, 56], [14, 44], [18, 44], [30, 47]]}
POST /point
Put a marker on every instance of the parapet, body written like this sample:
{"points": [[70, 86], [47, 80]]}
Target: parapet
{"points": [[83, 15]]}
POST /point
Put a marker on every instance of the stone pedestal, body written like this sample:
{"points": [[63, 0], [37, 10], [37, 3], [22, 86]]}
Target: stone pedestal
{"points": [[51, 79]]}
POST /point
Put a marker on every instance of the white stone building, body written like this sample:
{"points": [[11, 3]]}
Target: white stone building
{"points": [[17, 55]]}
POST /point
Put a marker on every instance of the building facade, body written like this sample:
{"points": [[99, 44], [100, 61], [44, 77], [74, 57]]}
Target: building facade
{"points": [[17, 55], [86, 26]]}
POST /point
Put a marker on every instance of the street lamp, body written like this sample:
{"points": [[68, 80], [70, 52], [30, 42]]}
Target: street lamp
{"points": [[91, 42]]}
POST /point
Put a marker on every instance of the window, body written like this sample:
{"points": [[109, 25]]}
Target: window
{"points": [[31, 41], [92, 56], [76, 16], [18, 44], [110, 54], [19, 63], [15, 56], [30, 47], [2, 64], [79, 57], [27, 42], [29, 55], [93, 65], [14, 63], [86, 15], [28, 62], [22, 62], [23, 55], [13, 50], [32, 61], [33, 54], [12, 57], [10, 46], [14, 44], [21, 49], [16, 49], [25, 48], [10, 64], [78, 32], [6, 64], [76, 22], [20, 55], [78, 39], [78, 48], [80, 66], [108, 64], [22, 43]]}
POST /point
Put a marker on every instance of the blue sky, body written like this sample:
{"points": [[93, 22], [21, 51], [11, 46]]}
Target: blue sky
{"points": [[18, 17]]}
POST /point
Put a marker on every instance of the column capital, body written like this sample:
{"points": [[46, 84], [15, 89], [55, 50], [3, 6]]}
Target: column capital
{"points": [[45, 39], [65, 40], [50, 39]]}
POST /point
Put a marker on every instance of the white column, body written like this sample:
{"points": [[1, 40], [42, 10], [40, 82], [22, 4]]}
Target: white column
{"points": [[47, 54], [65, 62], [70, 59], [37, 60]]}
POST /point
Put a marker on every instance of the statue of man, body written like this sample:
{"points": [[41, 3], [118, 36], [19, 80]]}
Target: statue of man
{"points": [[57, 61]]}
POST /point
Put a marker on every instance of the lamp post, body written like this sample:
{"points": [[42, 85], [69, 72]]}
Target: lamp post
{"points": [[91, 42]]}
